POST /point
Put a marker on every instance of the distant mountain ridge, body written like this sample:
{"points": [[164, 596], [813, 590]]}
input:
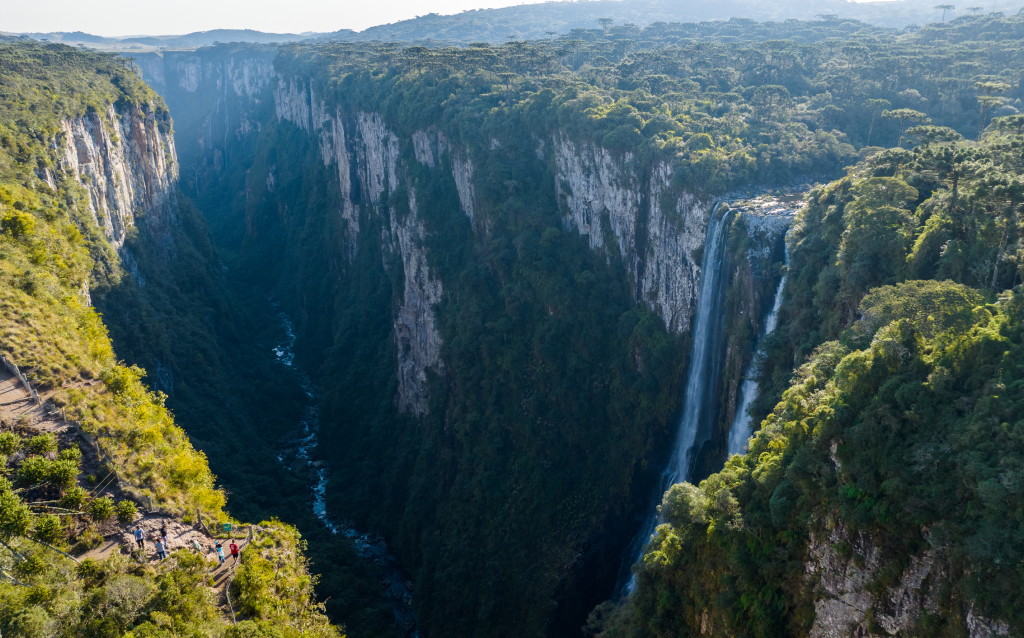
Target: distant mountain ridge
{"points": [[539, 21], [198, 38]]}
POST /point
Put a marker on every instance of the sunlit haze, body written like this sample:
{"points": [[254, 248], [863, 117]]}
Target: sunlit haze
{"points": [[124, 17]]}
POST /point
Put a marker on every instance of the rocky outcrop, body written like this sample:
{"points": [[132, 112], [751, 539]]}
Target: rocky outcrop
{"points": [[361, 146], [656, 230], [599, 194], [125, 159], [843, 568], [419, 343], [670, 280], [463, 173]]}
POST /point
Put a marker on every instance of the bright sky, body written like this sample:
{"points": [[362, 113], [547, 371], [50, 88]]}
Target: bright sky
{"points": [[132, 17]]}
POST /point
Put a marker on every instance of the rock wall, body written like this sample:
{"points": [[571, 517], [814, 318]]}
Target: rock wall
{"points": [[656, 230], [125, 159], [360, 145], [845, 605], [220, 96], [419, 343]]}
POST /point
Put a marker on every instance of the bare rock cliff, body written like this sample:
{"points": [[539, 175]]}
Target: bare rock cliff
{"points": [[360, 145], [844, 567], [655, 229], [125, 159]]}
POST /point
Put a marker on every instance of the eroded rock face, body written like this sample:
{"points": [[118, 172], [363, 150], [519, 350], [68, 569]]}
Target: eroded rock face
{"points": [[656, 230], [671, 278], [845, 605], [362, 146], [598, 191], [419, 343], [127, 165]]}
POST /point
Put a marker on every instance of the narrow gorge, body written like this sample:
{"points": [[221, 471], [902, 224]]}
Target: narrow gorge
{"points": [[631, 332], [346, 208]]}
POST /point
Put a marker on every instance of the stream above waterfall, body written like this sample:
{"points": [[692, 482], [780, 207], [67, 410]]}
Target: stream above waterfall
{"points": [[298, 452]]}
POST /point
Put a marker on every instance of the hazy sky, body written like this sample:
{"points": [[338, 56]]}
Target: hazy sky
{"points": [[132, 17]]}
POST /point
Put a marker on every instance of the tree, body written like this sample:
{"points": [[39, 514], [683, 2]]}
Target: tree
{"points": [[974, 10], [904, 115], [768, 97], [987, 101], [875, 105], [945, 8], [605, 23]]}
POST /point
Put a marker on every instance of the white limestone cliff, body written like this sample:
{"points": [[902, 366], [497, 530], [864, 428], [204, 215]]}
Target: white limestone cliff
{"points": [[593, 184], [603, 197], [362, 146], [127, 165], [415, 326], [671, 278]]}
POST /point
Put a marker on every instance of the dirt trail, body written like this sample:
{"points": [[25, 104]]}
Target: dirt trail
{"points": [[16, 404], [19, 411], [179, 536]]}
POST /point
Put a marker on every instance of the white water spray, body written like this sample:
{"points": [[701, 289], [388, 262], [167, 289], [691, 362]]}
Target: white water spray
{"points": [[740, 432]]}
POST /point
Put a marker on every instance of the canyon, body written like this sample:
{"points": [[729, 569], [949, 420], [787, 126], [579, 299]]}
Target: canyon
{"points": [[649, 345]]}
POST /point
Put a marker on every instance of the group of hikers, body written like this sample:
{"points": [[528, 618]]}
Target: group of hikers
{"points": [[161, 545]]}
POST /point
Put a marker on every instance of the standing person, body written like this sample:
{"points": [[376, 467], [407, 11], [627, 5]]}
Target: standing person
{"points": [[197, 547], [163, 533], [161, 553], [220, 553], [234, 550], [140, 537]]}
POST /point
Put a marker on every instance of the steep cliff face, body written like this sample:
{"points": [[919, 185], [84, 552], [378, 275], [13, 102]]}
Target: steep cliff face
{"points": [[461, 247], [419, 344], [373, 153], [222, 94], [655, 228], [844, 570], [125, 159]]}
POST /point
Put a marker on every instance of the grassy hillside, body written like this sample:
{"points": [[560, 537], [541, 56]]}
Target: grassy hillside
{"points": [[51, 253]]}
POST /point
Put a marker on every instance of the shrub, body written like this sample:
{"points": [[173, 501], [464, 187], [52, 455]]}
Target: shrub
{"points": [[49, 529], [100, 509], [19, 224], [9, 443], [33, 622], [42, 444], [73, 497], [62, 473], [70, 454], [126, 512], [257, 629], [33, 471]]}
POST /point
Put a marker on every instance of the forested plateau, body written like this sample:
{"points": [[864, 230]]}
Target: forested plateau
{"points": [[493, 260]]}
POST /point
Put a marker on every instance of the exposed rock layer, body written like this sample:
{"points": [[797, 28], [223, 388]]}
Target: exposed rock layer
{"points": [[125, 159]]}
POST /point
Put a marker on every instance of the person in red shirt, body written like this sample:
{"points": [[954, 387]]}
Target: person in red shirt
{"points": [[234, 550]]}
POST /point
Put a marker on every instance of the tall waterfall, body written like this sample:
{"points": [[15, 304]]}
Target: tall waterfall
{"points": [[739, 433], [703, 374]]}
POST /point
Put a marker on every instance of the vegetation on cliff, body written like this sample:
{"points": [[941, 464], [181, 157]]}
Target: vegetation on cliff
{"points": [[903, 424], [52, 251], [526, 413]]}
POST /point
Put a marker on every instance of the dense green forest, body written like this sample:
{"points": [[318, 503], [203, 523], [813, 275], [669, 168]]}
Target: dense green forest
{"points": [[543, 433], [901, 421], [512, 487]]}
